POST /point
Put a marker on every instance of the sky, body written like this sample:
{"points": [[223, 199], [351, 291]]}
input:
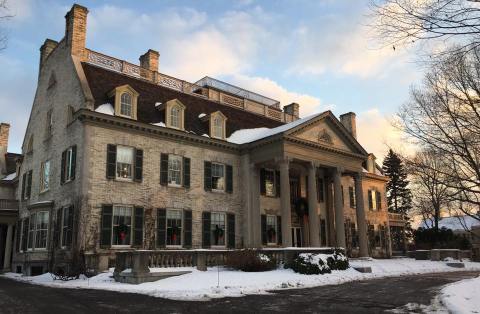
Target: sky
{"points": [[320, 54]]}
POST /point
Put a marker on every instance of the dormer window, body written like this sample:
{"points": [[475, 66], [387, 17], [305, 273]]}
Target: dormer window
{"points": [[217, 127], [174, 113], [175, 116], [125, 101], [217, 124]]}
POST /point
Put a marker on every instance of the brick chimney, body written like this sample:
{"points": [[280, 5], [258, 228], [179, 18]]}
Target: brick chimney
{"points": [[46, 49], [371, 163], [293, 109], [76, 29], [349, 122], [4, 131], [149, 60]]}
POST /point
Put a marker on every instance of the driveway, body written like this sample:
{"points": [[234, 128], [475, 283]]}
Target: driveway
{"points": [[371, 296]]}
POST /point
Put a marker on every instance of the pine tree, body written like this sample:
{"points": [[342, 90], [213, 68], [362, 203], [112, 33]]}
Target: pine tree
{"points": [[399, 196]]}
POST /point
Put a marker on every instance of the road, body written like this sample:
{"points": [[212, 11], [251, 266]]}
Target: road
{"points": [[370, 296]]}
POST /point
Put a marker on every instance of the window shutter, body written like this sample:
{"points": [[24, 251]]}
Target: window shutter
{"points": [[62, 170], [263, 189], [206, 225], [68, 241], [58, 229], [138, 165], [29, 185], [111, 160], [231, 230], [370, 201], [320, 196], [161, 227], [18, 231], [74, 161], [277, 182], [26, 225], [186, 172], [352, 197], [264, 229], [279, 229], [106, 230], [138, 227], [229, 179], [24, 180], [163, 169], [379, 200], [207, 177], [187, 228]]}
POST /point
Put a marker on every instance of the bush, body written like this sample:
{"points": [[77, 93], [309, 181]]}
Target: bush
{"points": [[314, 264], [427, 239], [249, 261]]}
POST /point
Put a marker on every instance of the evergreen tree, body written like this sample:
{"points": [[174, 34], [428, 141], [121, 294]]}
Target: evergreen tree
{"points": [[399, 196]]}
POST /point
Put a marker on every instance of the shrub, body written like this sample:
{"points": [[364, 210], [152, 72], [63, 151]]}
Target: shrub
{"points": [[314, 264], [249, 261]]}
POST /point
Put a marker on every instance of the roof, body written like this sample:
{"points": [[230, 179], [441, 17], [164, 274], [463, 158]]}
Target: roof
{"points": [[101, 81], [454, 223]]}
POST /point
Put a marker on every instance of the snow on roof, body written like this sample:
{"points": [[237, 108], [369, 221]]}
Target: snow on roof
{"points": [[158, 124], [158, 104], [106, 109], [10, 177], [252, 135], [202, 115], [454, 223]]}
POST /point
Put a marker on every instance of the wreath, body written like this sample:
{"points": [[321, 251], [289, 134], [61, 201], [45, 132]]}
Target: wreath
{"points": [[301, 207], [122, 231], [218, 233]]}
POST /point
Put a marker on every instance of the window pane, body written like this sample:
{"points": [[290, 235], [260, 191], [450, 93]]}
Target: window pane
{"points": [[272, 229], [174, 170], [218, 177], [218, 228], [122, 225], [126, 104], [218, 128], [174, 227], [124, 162], [270, 182], [41, 230], [45, 179], [175, 117]]}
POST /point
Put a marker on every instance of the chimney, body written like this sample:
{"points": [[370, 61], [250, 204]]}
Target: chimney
{"points": [[46, 49], [293, 109], [371, 163], [349, 122], [76, 29], [4, 131], [149, 64]]}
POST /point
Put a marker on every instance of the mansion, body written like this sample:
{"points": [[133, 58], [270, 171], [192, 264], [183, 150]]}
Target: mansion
{"points": [[119, 156]]}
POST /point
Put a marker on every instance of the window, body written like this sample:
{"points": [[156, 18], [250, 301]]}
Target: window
{"points": [[218, 180], [175, 170], [38, 230], [122, 225], [126, 104], [124, 162], [217, 127], [45, 176], [49, 126], [174, 227], [30, 144], [175, 115], [218, 228], [27, 184], [270, 182], [31, 231], [66, 229], [68, 164], [374, 200], [272, 229], [351, 193]]}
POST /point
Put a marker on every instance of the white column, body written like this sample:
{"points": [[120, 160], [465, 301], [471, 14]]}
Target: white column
{"points": [[285, 203], [339, 218], [360, 213], [8, 248], [312, 206], [256, 227]]}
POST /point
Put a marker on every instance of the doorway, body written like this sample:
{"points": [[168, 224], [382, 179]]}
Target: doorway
{"points": [[296, 236]]}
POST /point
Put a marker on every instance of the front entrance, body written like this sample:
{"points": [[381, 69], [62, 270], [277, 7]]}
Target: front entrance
{"points": [[296, 236]]}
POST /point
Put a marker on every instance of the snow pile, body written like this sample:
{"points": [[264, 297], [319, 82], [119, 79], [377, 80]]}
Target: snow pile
{"points": [[454, 223], [199, 285], [462, 296], [202, 115], [159, 124], [264, 258], [10, 177], [106, 109]]}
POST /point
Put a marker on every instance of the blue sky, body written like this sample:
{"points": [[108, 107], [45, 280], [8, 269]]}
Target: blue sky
{"points": [[318, 53]]}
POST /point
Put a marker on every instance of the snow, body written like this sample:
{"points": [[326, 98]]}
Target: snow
{"points": [[252, 135], [159, 124], [10, 177], [206, 135], [462, 296], [106, 109], [158, 104], [202, 115], [199, 285], [455, 223]]}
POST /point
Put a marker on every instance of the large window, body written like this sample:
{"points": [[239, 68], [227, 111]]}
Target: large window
{"points": [[122, 225], [66, 230], [38, 230], [218, 229], [351, 194], [271, 229], [218, 177], [175, 170], [174, 227], [45, 176], [125, 162], [68, 164], [175, 117], [217, 127], [269, 182], [374, 200], [126, 104]]}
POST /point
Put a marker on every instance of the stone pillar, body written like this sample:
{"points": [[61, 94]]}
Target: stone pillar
{"points": [[312, 206], [360, 213], [339, 218], [285, 203], [8, 248], [256, 224]]}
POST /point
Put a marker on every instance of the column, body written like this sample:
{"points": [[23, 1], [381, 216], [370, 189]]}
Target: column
{"points": [[312, 206], [285, 204], [360, 213], [8, 248], [339, 218], [256, 224]]}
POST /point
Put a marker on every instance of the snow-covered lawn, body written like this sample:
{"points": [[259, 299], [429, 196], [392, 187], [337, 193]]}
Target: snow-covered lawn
{"points": [[462, 296], [220, 282]]}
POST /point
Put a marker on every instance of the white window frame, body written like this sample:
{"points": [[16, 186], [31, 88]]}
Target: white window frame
{"points": [[132, 165], [218, 127], [64, 226], [68, 165], [225, 231], [45, 176], [35, 231], [179, 159], [124, 102], [181, 228], [373, 195], [276, 229], [274, 186], [39, 230], [215, 164], [175, 120], [116, 207]]}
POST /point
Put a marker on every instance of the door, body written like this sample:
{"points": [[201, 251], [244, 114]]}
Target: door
{"points": [[296, 236]]}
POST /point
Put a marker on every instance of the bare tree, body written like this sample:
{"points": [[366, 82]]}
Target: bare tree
{"points": [[403, 22], [4, 15], [444, 115]]}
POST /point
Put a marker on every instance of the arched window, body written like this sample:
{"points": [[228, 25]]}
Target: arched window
{"points": [[126, 104], [218, 127], [175, 116]]}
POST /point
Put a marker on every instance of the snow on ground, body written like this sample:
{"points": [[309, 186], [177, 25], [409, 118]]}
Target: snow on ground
{"points": [[106, 109], [221, 282], [462, 296]]}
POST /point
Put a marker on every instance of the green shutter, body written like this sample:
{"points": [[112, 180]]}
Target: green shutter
{"points": [[229, 179], [320, 195], [74, 161], [263, 189], [161, 227], [111, 161], [264, 229], [277, 182], [29, 184], [379, 200], [370, 201], [163, 169], [206, 225], [187, 229], [231, 230], [106, 224], [62, 170], [207, 176], [58, 229], [186, 172], [26, 225], [24, 181], [138, 227], [279, 230], [138, 165], [68, 241]]}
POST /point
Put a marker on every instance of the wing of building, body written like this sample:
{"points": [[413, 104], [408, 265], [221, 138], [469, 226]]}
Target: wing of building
{"points": [[120, 156]]}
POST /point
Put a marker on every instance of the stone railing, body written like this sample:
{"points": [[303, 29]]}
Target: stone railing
{"points": [[110, 63], [8, 204]]}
